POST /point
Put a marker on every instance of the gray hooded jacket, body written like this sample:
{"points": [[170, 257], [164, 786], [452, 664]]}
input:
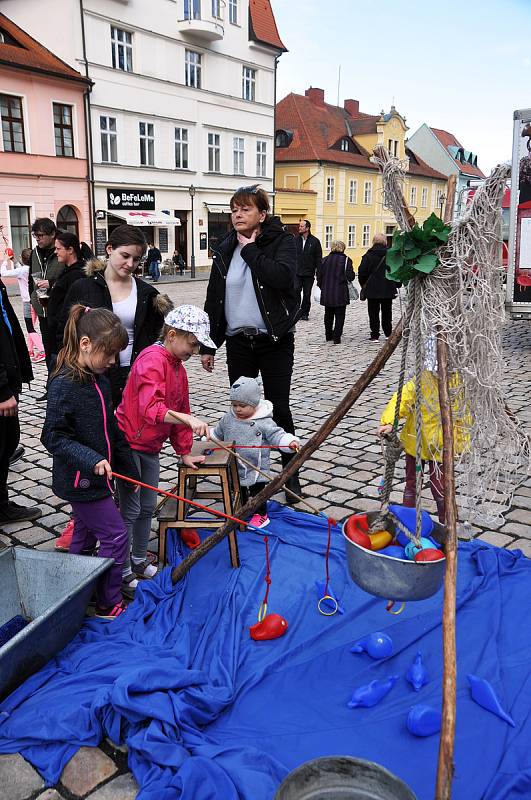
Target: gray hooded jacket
{"points": [[258, 430]]}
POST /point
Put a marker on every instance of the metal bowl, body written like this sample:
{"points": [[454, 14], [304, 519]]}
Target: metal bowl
{"points": [[395, 578], [342, 778]]}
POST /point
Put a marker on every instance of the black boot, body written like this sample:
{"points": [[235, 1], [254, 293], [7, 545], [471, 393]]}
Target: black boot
{"points": [[294, 485]]}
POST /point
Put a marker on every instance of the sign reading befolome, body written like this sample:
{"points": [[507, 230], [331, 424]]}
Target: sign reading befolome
{"points": [[126, 199]]}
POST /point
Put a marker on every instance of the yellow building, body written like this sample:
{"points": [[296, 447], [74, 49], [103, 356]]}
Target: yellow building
{"points": [[323, 171]]}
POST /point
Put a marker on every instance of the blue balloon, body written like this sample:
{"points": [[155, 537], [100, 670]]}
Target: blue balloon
{"points": [[423, 720], [377, 645]]}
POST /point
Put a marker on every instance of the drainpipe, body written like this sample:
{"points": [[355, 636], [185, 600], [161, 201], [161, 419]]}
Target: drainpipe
{"points": [[274, 130], [88, 131]]}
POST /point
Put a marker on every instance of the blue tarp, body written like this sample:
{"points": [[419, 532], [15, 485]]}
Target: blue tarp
{"points": [[209, 714]]}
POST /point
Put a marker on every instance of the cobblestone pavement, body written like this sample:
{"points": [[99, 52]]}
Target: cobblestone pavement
{"points": [[341, 476]]}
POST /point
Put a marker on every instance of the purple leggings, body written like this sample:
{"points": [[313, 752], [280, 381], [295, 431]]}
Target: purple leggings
{"points": [[436, 484], [100, 521]]}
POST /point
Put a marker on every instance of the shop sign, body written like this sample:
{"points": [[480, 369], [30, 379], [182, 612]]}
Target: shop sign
{"points": [[126, 199]]}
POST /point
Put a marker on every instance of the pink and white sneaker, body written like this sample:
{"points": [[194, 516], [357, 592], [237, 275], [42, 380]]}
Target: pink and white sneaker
{"points": [[63, 542], [259, 521]]}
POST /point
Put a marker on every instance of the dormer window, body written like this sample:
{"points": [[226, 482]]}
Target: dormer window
{"points": [[283, 138], [5, 38], [345, 145]]}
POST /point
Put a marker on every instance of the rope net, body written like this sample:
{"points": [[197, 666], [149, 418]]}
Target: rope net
{"points": [[462, 301]]}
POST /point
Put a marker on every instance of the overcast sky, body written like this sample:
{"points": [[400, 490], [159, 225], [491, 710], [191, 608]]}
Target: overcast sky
{"points": [[461, 65]]}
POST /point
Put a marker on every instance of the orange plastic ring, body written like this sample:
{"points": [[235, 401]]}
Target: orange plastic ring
{"points": [[328, 613], [262, 611]]}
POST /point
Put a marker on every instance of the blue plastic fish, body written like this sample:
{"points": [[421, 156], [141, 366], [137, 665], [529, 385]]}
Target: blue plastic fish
{"points": [[416, 673], [423, 720], [371, 693], [485, 696], [327, 604], [377, 645]]}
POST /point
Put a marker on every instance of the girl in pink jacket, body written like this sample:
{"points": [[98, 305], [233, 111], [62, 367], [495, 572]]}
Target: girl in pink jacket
{"points": [[155, 407]]}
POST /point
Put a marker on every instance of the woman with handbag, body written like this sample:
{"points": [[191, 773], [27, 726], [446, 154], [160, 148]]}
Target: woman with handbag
{"points": [[334, 279], [376, 288]]}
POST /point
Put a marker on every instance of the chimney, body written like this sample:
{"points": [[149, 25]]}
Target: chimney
{"points": [[315, 96], [352, 107]]}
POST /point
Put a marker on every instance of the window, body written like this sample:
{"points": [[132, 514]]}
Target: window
{"points": [[12, 124], [213, 152], [353, 192], [233, 11], [216, 9], [392, 146], [329, 235], [19, 221], [63, 130], [248, 83], [192, 68], [109, 151], [413, 197], [424, 197], [367, 193], [261, 158], [122, 49], [351, 236], [192, 9], [67, 220], [239, 154], [438, 198], [366, 237], [330, 190], [147, 144], [283, 138], [181, 148], [345, 145]]}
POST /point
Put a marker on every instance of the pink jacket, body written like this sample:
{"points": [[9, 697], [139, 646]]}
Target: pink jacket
{"points": [[157, 383]]}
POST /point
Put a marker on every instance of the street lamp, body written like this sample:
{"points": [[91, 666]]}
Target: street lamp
{"points": [[442, 201], [191, 192]]}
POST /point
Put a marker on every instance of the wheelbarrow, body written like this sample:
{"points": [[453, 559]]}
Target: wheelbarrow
{"points": [[51, 592]]}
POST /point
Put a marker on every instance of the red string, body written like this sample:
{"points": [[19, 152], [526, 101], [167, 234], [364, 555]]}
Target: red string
{"points": [[331, 522], [268, 572]]}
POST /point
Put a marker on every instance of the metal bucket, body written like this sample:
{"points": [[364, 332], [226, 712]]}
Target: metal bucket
{"points": [[395, 578], [342, 778], [50, 589]]}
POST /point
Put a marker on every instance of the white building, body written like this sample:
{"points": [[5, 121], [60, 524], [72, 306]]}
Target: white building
{"points": [[183, 96]]}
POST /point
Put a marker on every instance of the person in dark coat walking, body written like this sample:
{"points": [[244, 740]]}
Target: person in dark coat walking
{"points": [[379, 291], [253, 306], [68, 252], [309, 255], [333, 277], [15, 369], [153, 262], [112, 284]]}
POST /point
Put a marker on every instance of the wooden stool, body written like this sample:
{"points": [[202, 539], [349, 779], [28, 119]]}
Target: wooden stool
{"points": [[172, 513]]}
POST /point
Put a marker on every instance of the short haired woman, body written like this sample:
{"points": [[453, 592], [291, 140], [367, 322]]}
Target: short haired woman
{"points": [[253, 306], [68, 253], [379, 291], [333, 277]]}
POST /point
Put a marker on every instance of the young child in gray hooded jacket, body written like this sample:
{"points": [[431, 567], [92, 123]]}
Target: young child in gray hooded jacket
{"points": [[250, 422]]}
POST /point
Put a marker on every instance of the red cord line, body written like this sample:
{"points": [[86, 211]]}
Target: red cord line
{"points": [[268, 572], [330, 523]]}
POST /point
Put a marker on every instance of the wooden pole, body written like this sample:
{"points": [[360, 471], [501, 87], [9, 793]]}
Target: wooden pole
{"points": [[445, 768], [304, 453]]}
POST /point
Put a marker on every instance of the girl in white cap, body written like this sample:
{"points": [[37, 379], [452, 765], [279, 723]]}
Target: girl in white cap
{"points": [[158, 385]]}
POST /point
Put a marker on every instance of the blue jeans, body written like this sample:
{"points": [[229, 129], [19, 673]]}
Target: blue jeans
{"points": [[154, 270]]}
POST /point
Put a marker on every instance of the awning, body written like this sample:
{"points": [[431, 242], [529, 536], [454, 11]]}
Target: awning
{"points": [[146, 218], [218, 209]]}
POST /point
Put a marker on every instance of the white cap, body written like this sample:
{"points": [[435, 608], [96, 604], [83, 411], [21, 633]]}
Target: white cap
{"points": [[192, 319]]}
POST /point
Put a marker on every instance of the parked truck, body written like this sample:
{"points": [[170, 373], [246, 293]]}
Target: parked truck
{"points": [[518, 288]]}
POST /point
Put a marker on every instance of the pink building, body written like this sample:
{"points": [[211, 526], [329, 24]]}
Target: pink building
{"points": [[43, 152]]}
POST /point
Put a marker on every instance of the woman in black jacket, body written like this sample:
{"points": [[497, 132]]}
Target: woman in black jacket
{"points": [[68, 252], [253, 306], [113, 285], [333, 277], [379, 291]]}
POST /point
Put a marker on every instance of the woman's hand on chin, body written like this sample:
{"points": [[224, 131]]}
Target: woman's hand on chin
{"points": [[243, 240]]}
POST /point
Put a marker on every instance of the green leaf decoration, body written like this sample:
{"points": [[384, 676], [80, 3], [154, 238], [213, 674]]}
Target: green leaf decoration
{"points": [[414, 251]]}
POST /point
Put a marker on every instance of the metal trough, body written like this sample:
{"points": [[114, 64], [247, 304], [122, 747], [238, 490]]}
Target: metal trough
{"points": [[51, 590], [342, 778], [394, 578]]}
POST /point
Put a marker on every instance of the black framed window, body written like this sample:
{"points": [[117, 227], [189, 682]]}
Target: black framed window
{"points": [[63, 130], [12, 124], [67, 220]]}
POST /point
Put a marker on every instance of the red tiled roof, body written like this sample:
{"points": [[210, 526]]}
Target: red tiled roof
{"points": [[317, 128], [448, 140], [262, 24], [29, 54], [419, 167]]}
